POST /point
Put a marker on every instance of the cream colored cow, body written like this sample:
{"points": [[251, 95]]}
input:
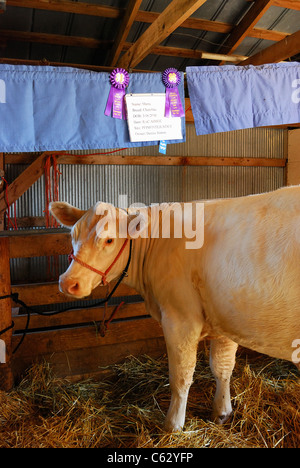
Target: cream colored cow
{"points": [[241, 287]]}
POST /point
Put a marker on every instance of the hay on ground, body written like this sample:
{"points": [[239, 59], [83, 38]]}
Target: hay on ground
{"points": [[129, 410]]}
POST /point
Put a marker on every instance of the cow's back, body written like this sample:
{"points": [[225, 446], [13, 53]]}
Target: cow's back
{"points": [[250, 268]]}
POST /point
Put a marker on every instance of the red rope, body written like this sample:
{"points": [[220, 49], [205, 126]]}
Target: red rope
{"points": [[14, 225], [51, 187]]}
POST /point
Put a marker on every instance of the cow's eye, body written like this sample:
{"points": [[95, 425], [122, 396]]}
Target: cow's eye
{"points": [[108, 241]]}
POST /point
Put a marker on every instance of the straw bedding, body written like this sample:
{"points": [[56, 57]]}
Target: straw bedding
{"points": [[128, 409]]}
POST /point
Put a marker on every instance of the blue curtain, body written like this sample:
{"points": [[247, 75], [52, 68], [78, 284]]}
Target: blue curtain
{"points": [[52, 109], [235, 97]]}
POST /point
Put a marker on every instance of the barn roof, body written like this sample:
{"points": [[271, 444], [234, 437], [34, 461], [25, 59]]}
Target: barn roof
{"points": [[149, 34]]}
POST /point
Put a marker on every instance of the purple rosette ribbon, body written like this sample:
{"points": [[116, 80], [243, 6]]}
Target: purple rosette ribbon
{"points": [[171, 79], [119, 79]]}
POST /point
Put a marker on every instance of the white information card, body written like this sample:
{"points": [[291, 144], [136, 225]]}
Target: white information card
{"points": [[147, 121]]}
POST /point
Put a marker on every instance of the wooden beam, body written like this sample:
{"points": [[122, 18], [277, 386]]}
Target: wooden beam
{"points": [[24, 181], [293, 164], [124, 28], [174, 161], [290, 4], [142, 16], [48, 293], [2, 165], [54, 39], [75, 41], [80, 316], [68, 6], [170, 19], [39, 245], [40, 343], [157, 161], [282, 50], [6, 378], [247, 23], [193, 54]]}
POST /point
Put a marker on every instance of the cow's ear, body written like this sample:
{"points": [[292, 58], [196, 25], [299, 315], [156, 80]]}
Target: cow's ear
{"points": [[66, 214]]}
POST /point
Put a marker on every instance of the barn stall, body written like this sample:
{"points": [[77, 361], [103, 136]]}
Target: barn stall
{"points": [[244, 157]]}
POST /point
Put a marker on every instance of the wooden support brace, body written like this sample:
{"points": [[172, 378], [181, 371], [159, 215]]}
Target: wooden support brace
{"points": [[6, 376], [22, 183], [293, 165], [1, 187]]}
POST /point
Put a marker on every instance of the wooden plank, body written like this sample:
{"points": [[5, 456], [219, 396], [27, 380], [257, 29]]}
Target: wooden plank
{"points": [[48, 293], [290, 4], [118, 159], [293, 165], [191, 53], [173, 161], [80, 316], [68, 6], [170, 19], [257, 10], [129, 17], [54, 39], [161, 160], [85, 363], [24, 181], [40, 343], [282, 50], [2, 166], [39, 245], [6, 376]]}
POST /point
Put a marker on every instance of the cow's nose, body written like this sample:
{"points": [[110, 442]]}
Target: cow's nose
{"points": [[69, 286], [73, 288]]}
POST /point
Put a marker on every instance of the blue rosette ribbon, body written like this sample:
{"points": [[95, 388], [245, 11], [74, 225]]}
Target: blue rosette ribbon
{"points": [[119, 79], [171, 79]]}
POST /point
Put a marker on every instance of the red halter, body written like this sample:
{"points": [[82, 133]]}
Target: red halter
{"points": [[104, 275]]}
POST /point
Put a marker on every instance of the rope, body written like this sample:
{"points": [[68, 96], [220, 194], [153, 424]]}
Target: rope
{"points": [[14, 225]]}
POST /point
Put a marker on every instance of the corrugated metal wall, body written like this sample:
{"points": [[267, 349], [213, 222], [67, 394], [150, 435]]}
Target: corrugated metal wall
{"points": [[83, 185]]}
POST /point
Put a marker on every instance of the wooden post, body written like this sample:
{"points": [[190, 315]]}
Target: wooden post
{"points": [[293, 165], [1, 188], [6, 376]]}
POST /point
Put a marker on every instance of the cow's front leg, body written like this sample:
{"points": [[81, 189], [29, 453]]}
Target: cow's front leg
{"points": [[222, 361], [182, 339]]}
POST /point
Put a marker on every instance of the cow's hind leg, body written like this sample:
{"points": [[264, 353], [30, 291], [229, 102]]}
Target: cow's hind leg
{"points": [[182, 337], [222, 361]]}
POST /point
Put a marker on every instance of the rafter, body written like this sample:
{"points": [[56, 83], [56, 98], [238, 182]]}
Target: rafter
{"points": [[170, 19], [291, 4], [130, 15], [54, 39], [253, 15], [141, 16], [68, 6], [78, 41], [282, 50]]}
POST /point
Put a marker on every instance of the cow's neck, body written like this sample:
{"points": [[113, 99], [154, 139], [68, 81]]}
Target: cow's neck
{"points": [[135, 278]]}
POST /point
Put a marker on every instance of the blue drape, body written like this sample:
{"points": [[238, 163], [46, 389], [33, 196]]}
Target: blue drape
{"points": [[235, 97], [52, 109]]}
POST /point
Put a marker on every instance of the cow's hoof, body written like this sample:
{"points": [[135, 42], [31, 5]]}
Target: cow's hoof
{"points": [[222, 418], [172, 427]]}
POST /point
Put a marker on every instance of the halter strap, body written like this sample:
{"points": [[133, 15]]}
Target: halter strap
{"points": [[104, 275]]}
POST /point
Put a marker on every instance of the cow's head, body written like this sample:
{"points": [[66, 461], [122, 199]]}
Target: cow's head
{"points": [[98, 235]]}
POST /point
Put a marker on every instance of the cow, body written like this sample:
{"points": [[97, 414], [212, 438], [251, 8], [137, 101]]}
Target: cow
{"points": [[239, 287]]}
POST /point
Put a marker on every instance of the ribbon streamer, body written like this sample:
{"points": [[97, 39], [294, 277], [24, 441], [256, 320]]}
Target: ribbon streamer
{"points": [[119, 79], [171, 79]]}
